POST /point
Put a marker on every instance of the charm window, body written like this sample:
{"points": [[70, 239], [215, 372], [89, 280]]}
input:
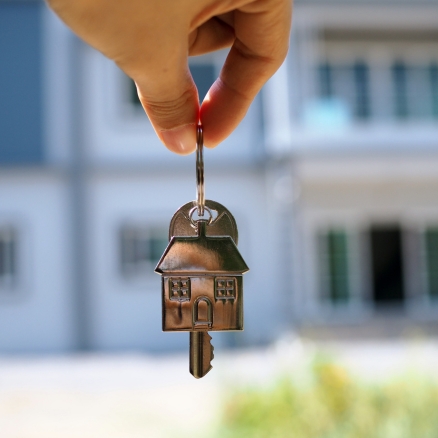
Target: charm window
{"points": [[179, 289], [225, 288]]}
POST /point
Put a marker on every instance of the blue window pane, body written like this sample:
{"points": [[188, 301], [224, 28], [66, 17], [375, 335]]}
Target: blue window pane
{"points": [[362, 110], [434, 86], [20, 83], [325, 80], [399, 76]]}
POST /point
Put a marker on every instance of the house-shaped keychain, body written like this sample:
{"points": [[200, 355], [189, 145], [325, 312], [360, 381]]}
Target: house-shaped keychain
{"points": [[202, 288]]}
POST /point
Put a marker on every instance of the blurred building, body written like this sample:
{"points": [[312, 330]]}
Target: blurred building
{"points": [[332, 177]]}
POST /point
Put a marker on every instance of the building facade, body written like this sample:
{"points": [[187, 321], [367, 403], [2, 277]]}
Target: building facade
{"points": [[332, 178]]}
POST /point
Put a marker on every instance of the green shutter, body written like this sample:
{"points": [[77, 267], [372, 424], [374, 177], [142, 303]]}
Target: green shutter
{"points": [[157, 245], [337, 265], [431, 238]]}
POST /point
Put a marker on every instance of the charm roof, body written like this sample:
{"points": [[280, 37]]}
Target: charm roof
{"points": [[201, 254]]}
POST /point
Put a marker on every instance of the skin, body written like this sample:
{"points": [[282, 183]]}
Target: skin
{"points": [[150, 40]]}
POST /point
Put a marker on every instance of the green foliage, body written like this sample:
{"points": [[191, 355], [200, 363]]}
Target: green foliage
{"points": [[328, 403]]}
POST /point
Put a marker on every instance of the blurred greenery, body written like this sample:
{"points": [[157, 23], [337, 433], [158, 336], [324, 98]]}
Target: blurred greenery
{"points": [[327, 402]]}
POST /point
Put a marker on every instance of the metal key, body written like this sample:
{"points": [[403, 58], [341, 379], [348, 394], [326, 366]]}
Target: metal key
{"points": [[201, 269]]}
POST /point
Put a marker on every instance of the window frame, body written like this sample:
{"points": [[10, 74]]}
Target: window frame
{"points": [[226, 292], [318, 301], [324, 266], [9, 281], [417, 57], [425, 263], [131, 271]]}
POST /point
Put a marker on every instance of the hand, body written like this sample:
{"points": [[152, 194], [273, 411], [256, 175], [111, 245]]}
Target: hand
{"points": [[150, 40]]}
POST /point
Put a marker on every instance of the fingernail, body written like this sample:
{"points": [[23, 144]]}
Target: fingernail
{"points": [[181, 140]]}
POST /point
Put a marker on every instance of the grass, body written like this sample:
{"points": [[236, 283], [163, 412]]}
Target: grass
{"points": [[326, 402]]}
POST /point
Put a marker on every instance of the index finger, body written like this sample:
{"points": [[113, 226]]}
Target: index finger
{"points": [[262, 31]]}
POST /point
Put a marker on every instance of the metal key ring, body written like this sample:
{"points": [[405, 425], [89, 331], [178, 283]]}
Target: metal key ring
{"points": [[210, 219], [200, 190]]}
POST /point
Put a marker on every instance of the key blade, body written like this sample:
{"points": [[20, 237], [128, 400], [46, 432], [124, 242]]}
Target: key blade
{"points": [[201, 354]]}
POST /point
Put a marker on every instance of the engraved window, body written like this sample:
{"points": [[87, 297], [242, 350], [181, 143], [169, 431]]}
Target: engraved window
{"points": [[225, 288], [179, 289], [8, 255], [141, 247]]}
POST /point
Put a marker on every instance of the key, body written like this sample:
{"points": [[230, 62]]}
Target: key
{"points": [[202, 281], [201, 273]]}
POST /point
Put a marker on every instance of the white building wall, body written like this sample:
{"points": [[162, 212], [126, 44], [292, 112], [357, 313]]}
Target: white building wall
{"points": [[36, 312]]}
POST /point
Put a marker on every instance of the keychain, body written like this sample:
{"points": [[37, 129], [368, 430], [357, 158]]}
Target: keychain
{"points": [[201, 272]]}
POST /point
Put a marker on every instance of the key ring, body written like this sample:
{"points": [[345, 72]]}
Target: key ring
{"points": [[193, 221], [200, 190]]}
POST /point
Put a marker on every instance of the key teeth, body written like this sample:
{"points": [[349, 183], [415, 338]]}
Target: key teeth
{"points": [[209, 348], [201, 354]]}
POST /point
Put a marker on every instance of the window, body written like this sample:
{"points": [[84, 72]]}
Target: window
{"points": [[225, 288], [141, 247], [400, 90], [8, 254], [415, 89], [362, 100], [434, 84], [333, 249], [325, 80], [347, 83], [431, 247], [387, 74], [179, 289]]}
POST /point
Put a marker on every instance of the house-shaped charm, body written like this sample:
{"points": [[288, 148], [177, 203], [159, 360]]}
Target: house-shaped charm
{"points": [[202, 283]]}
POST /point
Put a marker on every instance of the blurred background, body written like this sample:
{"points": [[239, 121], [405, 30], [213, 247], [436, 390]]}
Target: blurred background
{"points": [[333, 180]]}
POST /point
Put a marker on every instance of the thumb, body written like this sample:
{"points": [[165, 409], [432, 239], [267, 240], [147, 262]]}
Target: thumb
{"points": [[170, 99]]}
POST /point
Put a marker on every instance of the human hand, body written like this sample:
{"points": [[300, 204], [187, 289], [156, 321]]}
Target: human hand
{"points": [[150, 40]]}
